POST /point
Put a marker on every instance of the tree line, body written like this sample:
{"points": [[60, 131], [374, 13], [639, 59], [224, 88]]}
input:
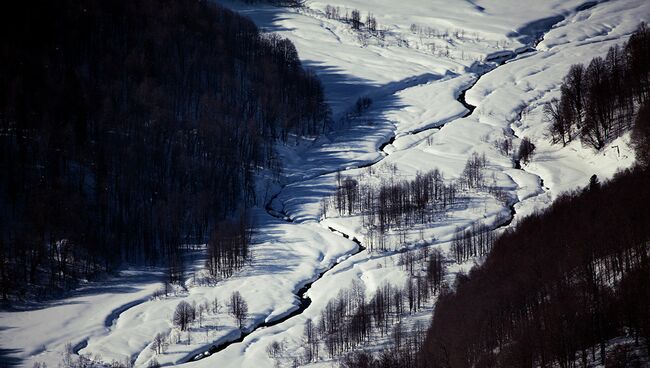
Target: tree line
{"points": [[229, 247], [128, 128], [354, 18], [598, 101], [393, 205], [475, 241]]}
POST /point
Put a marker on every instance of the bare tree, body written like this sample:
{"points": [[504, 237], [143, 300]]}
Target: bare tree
{"points": [[238, 308], [201, 310], [183, 315], [596, 128], [159, 344], [574, 90], [371, 23], [560, 116], [356, 20], [311, 341], [274, 349], [473, 175], [216, 307], [526, 149]]}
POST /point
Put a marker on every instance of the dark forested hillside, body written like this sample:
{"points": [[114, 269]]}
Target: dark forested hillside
{"points": [[130, 127], [555, 289]]}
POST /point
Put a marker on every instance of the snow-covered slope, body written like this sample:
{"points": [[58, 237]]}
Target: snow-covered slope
{"points": [[414, 87]]}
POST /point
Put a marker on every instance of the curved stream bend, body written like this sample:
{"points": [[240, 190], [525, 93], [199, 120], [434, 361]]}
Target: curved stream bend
{"points": [[305, 301]]}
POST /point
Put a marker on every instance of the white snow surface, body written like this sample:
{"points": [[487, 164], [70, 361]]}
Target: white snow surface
{"points": [[414, 90]]}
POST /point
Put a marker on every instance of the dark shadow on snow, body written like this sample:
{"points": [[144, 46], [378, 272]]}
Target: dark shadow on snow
{"points": [[533, 31], [6, 358]]}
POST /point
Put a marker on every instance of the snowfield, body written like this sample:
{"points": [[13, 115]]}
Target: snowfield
{"points": [[414, 76]]}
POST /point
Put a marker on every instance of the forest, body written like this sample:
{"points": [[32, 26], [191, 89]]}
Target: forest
{"points": [[552, 294], [130, 128], [556, 288]]}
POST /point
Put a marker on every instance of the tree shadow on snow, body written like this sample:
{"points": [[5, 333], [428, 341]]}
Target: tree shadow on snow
{"points": [[127, 281], [7, 356], [346, 142], [266, 17], [533, 31]]}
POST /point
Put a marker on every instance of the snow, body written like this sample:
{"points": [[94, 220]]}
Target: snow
{"points": [[41, 332], [414, 92]]}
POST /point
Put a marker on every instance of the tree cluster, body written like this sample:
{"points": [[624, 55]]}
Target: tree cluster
{"points": [[525, 151], [353, 18], [597, 102], [555, 289], [473, 176], [238, 308], [228, 247], [475, 241], [400, 353], [187, 315], [393, 204], [332, 12], [130, 127], [641, 136], [350, 319], [355, 21]]}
